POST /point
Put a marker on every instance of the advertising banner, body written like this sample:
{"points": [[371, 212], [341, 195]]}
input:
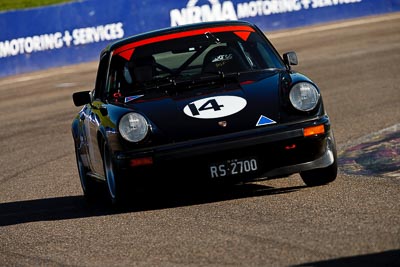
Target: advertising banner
{"points": [[76, 32]]}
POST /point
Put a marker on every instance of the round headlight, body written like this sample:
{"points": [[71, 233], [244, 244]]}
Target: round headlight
{"points": [[304, 96], [133, 127]]}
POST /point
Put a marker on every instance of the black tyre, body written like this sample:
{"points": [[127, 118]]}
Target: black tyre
{"points": [[113, 181], [325, 175], [320, 176], [91, 189]]}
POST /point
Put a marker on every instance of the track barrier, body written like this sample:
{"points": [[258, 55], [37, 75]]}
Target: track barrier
{"points": [[76, 32]]}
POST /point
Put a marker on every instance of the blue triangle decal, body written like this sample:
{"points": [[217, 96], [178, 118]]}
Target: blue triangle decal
{"points": [[131, 98], [264, 121]]}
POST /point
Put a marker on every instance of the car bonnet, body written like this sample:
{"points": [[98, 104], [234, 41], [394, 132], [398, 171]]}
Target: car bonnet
{"points": [[230, 107]]}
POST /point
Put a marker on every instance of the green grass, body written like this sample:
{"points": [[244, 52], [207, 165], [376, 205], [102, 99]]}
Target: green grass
{"points": [[21, 4]]}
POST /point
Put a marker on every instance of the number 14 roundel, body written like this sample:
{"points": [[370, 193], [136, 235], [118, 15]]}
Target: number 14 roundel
{"points": [[215, 107]]}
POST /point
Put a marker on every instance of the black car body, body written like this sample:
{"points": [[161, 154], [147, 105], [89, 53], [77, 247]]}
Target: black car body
{"points": [[208, 102]]}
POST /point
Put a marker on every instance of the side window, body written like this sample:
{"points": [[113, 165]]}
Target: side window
{"points": [[119, 77], [268, 55], [101, 77]]}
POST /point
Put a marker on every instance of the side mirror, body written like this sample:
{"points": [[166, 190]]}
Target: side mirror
{"points": [[290, 58], [82, 98]]}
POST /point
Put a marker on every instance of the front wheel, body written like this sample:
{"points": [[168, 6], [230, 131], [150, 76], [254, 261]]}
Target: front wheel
{"points": [[325, 175], [320, 176], [113, 181]]}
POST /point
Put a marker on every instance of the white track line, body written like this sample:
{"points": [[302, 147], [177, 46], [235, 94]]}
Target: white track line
{"points": [[369, 137]]}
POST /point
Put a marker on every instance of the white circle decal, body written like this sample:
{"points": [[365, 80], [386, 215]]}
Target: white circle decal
{"points": [[215, 107]]}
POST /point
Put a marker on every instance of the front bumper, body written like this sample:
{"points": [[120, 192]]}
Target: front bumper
{"points": [[280, 150]]}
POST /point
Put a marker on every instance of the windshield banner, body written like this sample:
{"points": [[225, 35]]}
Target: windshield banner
{"points": [[76, 32]]}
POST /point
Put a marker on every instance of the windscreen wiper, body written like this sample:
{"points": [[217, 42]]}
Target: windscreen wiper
{"points": [[177, 85], [220, 76]]}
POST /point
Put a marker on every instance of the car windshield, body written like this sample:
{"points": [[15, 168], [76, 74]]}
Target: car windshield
{"points": [[168, 60]]}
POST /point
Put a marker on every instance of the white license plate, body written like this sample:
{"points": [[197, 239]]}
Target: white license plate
{"points": [[233, 167]]}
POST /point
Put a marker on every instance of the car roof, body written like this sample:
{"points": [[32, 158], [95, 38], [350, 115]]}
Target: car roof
{"points": [[176, 29]]}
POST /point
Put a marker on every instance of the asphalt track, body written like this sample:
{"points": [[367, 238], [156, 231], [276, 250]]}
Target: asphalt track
{"points": [[355, 221]]}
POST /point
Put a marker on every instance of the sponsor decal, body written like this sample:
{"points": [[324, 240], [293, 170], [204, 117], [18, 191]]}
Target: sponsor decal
{"points": [[58, 40], [263, 120], [212, 10], [215, 107], [222, 58]]}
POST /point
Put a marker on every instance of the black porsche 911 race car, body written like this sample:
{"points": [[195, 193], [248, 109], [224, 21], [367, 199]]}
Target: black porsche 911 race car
{"points": [[205, 102]]}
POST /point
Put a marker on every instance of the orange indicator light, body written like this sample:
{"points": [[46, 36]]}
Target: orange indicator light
{"points": [[314, 130], [141, 161]]}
